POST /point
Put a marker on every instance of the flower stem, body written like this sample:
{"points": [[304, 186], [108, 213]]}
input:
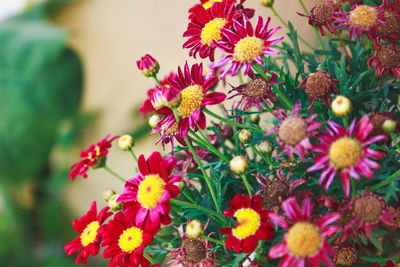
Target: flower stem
{"points": [[317, 34], [207, 145], [156, 79], [346, 122], [246, 183], [266, 158], [188, 197], [385, 182], [342, 43], [395, 141], [147, 256], [259, 69], [232, 123], [114, 174], [133, 155], [353, 188], [197, 207], [213, 240]]}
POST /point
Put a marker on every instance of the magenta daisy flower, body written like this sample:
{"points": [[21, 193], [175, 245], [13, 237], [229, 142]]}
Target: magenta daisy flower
{"points": [[256, 91], [245, 45], [146, 196], [390, 29], [193, 87], [346, 152], [305, 243], [386, 59], [90, 229], [293, 132], [205, 27]]}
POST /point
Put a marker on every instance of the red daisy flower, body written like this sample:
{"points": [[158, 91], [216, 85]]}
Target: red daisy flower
{"points": [[347, 152], [389, 263], [255, 91], [125, 241], [193, 252], [386, 59], [390, 29], [245, 45], [319, 86], [193, 87], [148, 65], [294, 132], [252, 224], [205, 27], [321, 15], [90, 229], [94, 156], [146, 196], [305, 241], [360, 19]]}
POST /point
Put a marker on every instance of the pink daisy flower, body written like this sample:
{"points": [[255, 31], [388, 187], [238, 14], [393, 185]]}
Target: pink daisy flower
{"points": [[346, 152], [305, 243]]}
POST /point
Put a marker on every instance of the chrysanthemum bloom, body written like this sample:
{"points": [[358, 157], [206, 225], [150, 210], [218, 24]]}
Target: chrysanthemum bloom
{"points": [[377, 119], [319, 86], [257, 91], [148, 65], [321, 16], [305, 243], [386, 59], [244, 45], [276, 190], [94, 157], [346, 152], [147, 195], [360, 19], [252, 224], [90, 229], [388, 264], [205, 27], [125, 241], [346, 255], [368, 210], [193, 87], [193, 252], [390, 29], [293, 132]]}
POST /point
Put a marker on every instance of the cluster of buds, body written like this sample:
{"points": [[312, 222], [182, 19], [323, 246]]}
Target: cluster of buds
{"points": [[110, 196]]}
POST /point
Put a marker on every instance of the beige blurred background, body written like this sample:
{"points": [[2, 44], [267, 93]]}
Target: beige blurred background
{"points": [[110, 35]]}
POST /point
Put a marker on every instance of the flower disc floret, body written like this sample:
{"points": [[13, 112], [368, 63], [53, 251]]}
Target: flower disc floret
{"points": [[388, 57], [345, 152], [89, 233], [248, 48], [367, 208], [150, 190], [292, 130], [303, 239], [212, 31], [248, 222], [130, 239], [363, 16], [191, 100], [195, 251]]}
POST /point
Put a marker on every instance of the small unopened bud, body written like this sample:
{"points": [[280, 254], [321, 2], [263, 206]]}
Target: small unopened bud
{"points": [[126, 142], [154, 120], [255, 118], [341, 106], [245, 136], [148, 65], [389, 126], [113, 204], [239, 165], [108, 193], [265, 147], [194, 229], [267, 3]]}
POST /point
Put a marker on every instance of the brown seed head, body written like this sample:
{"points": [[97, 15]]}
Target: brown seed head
{"points": [[292, 130], [391, 25], [388, 56], [276, 191], [367, 208], [318, 84], [256, 88], [323, 11], [346, 256], [195, 251]]}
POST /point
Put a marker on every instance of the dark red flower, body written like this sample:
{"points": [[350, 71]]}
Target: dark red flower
{"points": [[386, 59], [390, 29]]}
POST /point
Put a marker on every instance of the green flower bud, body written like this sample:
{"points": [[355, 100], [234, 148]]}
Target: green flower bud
{"points": [[239, 165], [389, 126], [108, 193], [265, 147], [245, 136], [126, 142]]}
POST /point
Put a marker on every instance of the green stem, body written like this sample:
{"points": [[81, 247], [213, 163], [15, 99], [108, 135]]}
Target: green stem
{"points": [[385, 182], [207, 145], [148, 258], [213, 240], [374, 146], [266, 158], [246, 183], [353, 188], [156, 79], [394, 141], [240, 77], [232, 123], [133, 155], [197, 207], [287, 26], [188, 197], [259, 69], [346, 122], [114, 174]]}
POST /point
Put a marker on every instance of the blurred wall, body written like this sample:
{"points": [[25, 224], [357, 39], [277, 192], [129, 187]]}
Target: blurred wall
{"points": [[110, 36]]}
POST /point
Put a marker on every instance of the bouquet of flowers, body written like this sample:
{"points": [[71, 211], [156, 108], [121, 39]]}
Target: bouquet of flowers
{"points": [[300, 168]]}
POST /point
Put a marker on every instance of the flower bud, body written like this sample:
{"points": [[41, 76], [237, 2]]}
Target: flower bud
{"points": [[148, 65], [255, 118], [389, 126], [265, 147], [341, 106], [267, 3], [245, 136], [108, 193], [113, 204], [194, 229], [154, 120], [126, 142], [239, 165], [164, 97]]}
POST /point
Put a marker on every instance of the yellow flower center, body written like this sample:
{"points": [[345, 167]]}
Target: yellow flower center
{"points": [[345, 152], [248, 48], [130, 239], [363, 16], [303, 239], [191, 100], [89, 233], [150, 191], [212, 31], [209, 3], [93, 156], [248, 222]]}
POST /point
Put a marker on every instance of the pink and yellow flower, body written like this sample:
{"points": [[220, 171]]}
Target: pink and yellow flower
{"points": [[146, 196], [90, 229]]}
